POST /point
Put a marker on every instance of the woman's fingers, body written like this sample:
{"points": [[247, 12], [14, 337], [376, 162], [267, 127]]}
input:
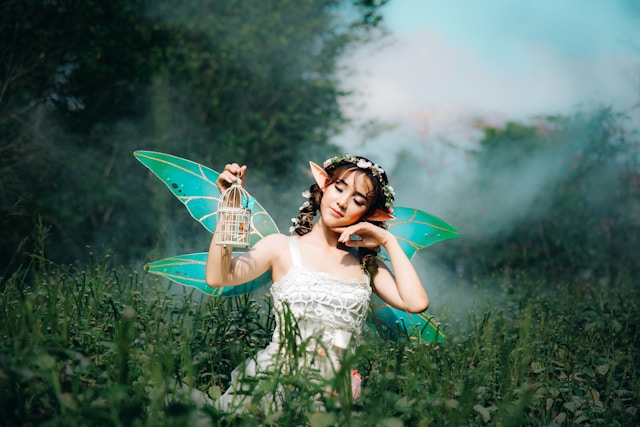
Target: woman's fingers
{"points": [[345, 233], [235, 169], [359, 235], [363, 234], [230, 175]]}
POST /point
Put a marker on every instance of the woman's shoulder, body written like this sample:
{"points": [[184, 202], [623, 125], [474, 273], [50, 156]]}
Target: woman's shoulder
{"points": [[274, 241], [275, 247]]}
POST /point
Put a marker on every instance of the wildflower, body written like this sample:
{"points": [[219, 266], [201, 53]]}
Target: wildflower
{"points": [[363, 164], [356, 384]]}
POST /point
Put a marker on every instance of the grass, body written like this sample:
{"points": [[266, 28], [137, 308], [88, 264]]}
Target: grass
{"points": [[99, 347]]}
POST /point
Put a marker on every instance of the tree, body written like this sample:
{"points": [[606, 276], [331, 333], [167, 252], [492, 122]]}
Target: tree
{"points": [[84, 83], [561, 198]]}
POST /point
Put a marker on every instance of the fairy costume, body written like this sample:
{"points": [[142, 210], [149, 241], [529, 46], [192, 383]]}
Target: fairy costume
{"points": [[327, 312], [323, 312]]}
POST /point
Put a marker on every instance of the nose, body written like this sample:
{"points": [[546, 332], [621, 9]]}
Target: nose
{"points": [[342, 203]]}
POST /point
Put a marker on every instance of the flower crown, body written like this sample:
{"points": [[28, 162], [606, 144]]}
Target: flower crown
{"points": [[375, 170]]}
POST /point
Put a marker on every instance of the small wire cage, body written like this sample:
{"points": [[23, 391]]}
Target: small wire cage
{"points": [[234, 217]]}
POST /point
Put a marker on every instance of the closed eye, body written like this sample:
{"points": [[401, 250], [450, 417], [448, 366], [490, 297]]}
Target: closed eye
{"points": [[359, 199]]}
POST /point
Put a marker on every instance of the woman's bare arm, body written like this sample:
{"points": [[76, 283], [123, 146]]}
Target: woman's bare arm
{"points": [[224, 270], [403, 289]]}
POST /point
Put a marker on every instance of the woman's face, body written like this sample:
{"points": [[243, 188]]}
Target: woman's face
{"points": [[346, 200]]}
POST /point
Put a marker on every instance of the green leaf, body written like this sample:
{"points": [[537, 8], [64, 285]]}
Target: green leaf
{"points": [[486, 416]]}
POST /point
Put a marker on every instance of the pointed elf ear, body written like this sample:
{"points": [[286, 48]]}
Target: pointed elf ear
{"points": [[319, 174], [380, 215]]}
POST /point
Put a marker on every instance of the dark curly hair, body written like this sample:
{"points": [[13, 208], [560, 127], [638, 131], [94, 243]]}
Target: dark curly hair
{"points": [[381, 197]]}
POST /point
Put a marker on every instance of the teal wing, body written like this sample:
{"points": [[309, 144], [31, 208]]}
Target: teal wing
{"points": [[392, 324], [414, 229], [189, 270], [195, 186]]}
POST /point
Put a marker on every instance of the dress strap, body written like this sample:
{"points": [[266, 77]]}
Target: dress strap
{"points": [[295, 252], [367, 278]]}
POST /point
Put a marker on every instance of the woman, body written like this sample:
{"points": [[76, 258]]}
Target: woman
{"points": [[323, 276]]}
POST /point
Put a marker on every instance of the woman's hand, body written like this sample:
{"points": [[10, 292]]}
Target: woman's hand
{"points": [[230, 175], [367, 235]]}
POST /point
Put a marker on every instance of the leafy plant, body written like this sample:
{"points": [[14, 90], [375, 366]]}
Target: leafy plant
{"points": [[559, 199], [102, 347]]}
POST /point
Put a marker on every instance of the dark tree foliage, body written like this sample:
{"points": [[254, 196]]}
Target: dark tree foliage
{"points": [[84, 83], [583, 224], [69, 71], [85, 59]]}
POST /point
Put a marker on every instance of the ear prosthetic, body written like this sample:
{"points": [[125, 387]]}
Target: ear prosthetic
{"points": [[322, 178], [319, 174], [380, 215]]}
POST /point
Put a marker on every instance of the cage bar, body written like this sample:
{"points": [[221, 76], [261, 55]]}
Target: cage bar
{"points": [[234, 217]]}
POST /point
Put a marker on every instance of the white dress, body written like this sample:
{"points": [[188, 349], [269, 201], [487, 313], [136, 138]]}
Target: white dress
{"points": [[325, 315]]}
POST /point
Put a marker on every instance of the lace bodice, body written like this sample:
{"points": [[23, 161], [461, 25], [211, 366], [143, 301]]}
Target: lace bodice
{"points": [[324, 307], [328, 314]]}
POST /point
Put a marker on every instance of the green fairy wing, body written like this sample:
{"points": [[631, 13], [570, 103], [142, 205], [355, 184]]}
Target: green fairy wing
{"points": [[391, 323], [414, 229], [189, 270], [195, 186]]}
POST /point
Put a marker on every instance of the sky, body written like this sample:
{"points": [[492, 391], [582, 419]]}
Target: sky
{"points": [[450, 62]]}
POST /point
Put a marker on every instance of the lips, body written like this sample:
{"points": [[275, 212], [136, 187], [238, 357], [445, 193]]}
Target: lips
{"points": [[336, 213]]}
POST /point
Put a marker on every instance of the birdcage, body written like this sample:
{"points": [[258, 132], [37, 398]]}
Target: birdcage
{"points": [[234, 217]]}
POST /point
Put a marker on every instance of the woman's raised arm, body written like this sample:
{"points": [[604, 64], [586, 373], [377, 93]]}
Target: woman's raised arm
{"points": [[403, 289], [222, 269]]}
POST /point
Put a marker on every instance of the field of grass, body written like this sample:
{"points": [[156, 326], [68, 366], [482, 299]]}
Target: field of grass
{"points": [[103, 347]]}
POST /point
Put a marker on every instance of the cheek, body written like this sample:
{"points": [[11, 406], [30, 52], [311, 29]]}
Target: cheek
{"points": [[328, 194], [357, 211]]}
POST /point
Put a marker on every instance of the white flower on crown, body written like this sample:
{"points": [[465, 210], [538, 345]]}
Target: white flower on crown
{"points": [[363, 164], [378, 169], [391, 191]]}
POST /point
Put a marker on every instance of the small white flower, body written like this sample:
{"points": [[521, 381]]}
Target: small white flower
{"points": [[326, 163], [378, 169], [294, 220], [292, 229], [306, 194], [304, 206], [363, 164]]}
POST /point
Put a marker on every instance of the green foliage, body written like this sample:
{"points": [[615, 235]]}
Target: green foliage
{"points": [[561, 199], [70, 54], [85, 83], [98, 347]]}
